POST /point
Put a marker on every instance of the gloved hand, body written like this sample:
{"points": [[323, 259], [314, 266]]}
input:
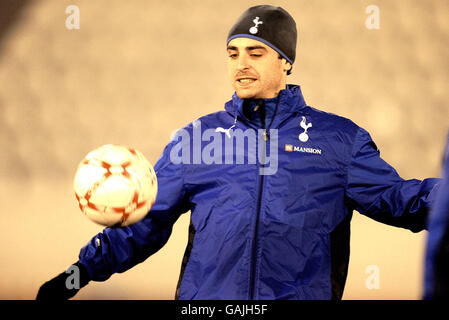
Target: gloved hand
{"points": [[65, 285]]}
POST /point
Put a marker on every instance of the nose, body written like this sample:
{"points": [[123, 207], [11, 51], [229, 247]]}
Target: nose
{"points": [[242, 62]]}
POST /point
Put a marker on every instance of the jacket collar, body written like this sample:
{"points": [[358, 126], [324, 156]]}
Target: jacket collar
{"points": [[290, 100]]}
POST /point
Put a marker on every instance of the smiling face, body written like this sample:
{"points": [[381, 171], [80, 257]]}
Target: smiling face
{"points": [[255, 70]]}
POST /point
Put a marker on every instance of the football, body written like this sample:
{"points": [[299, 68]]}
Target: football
{"points": [[115, 185]]}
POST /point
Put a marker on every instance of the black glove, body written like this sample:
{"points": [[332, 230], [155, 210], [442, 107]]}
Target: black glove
{"points": [[65, 285]]}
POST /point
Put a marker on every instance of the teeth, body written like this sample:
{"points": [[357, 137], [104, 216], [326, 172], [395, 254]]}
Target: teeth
{"points": [[246, 80]]}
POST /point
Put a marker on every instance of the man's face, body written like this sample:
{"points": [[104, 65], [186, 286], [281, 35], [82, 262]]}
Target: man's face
{"points": [[255, 69]]}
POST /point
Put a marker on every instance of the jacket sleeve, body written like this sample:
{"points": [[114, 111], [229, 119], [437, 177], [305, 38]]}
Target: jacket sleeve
{"points": [[119, 249], [436, 284], [375, 189]]}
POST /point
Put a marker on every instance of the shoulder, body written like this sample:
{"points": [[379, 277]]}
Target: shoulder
{"points": [[328, 118], [216, 118], [336, 126], [211, 120], [208, 121]]}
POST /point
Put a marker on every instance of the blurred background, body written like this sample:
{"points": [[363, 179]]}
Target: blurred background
{"points": [[137, 70]]}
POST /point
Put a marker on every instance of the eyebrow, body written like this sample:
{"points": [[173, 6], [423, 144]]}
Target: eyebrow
{"points": [[247, 48]]}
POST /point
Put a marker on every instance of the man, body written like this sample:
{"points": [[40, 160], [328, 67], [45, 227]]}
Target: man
{"points": [[276, 228], [436, 284]]}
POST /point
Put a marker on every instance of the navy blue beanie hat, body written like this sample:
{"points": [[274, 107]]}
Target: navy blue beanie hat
{"points": [[268, 24]]}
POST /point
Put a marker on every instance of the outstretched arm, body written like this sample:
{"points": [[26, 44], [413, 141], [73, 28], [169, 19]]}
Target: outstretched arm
{"points": [[375, 189], [119, 249]]}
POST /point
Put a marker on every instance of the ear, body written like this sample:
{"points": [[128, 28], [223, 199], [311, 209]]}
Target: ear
{"points": [[286, 66]]}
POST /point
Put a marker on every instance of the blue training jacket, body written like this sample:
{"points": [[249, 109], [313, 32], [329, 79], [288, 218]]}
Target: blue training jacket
{"points": [[436, 284], [282, 233]]}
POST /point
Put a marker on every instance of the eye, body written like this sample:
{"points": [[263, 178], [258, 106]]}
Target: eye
{"points": [[256, 55], [233, 55]]}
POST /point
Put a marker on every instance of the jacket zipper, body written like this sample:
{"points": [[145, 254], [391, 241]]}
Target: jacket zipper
{"points": [[254, 259], [256, 228]]}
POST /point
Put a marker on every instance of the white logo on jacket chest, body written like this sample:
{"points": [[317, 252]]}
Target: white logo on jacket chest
{"points": [[292, 148], [304, 137], [226, 131]]}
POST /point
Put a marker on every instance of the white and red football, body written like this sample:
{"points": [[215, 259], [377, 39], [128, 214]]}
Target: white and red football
{"points": [[115, 185]]}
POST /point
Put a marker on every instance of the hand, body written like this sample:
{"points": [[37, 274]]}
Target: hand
{"points": [[65, 285]]}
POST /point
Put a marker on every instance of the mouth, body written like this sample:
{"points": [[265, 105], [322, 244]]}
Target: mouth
{"points": [[245, 81]]}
